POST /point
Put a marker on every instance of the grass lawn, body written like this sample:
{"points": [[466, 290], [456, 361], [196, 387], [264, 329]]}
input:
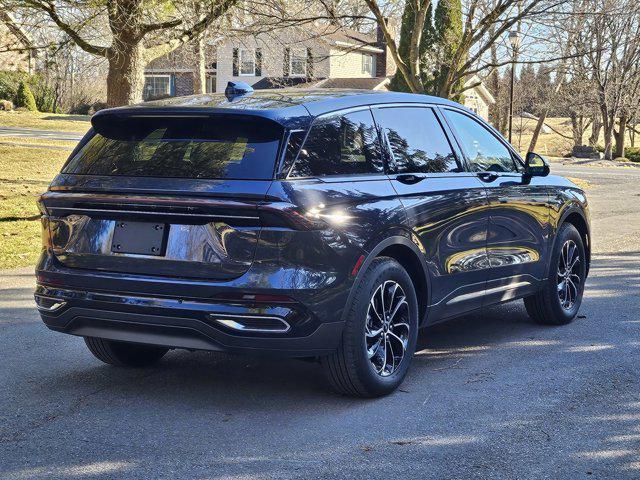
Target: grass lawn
{"points": [[25, 172], [45, 121]]}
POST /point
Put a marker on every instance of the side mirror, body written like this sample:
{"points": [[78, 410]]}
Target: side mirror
{"points": [[536, 165]]}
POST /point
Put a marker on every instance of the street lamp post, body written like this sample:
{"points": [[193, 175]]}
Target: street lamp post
{"points": [[514, 40]]}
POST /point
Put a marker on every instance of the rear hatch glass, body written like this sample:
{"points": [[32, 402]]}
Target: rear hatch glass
{"points": [[179, 147]]}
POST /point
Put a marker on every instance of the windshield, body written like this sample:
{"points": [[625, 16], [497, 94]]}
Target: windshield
{"points": [[179, 147]]}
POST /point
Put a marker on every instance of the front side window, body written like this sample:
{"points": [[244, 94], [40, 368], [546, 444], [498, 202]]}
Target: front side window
{"points": [[298, 63], [157, 86], [416, 140], [340, 145], [484, 151], [247, 62]]}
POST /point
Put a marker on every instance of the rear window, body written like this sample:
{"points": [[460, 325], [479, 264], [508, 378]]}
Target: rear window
{"points": [[340, 145], [178, 147]]}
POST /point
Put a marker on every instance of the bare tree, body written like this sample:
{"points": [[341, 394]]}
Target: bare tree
{"points": [[127, 33], [485, 24], [612, 27]]}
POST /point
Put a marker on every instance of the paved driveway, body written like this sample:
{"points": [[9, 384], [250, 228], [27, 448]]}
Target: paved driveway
{"points": [[488, 396]]}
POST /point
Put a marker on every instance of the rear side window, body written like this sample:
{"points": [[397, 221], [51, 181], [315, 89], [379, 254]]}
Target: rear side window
{"points": [[340, 145], [207, 148], [483, 150], [416, 139]]}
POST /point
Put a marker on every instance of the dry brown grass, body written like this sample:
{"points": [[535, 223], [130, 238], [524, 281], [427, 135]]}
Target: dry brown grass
{"points": [[45, 121], [25, 173]]}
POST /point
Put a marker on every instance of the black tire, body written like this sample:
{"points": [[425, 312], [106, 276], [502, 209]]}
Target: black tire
{"points": [[350, 369], [548, 307], [123, 354]]}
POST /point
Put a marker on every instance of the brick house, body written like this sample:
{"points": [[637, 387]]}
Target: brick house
{"points": [[16, 47], [291, 56]]}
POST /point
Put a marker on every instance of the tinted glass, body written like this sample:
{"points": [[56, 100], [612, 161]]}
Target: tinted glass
{"points": [[484, 151], [340, 145], [180, 148], [416, 139]]}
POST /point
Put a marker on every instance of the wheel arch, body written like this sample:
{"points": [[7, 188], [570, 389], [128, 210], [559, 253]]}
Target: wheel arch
{"points": [[407, 254], [575, 217]]}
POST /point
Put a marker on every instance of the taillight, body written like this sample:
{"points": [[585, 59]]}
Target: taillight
{"points": [[318, 217], [41, 207]]}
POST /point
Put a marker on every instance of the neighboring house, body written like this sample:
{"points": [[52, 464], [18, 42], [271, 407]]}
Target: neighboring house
{"points": [[478, 97], [318, 56], [172, 74], [286, 57], [296, 56], [17, 52]]}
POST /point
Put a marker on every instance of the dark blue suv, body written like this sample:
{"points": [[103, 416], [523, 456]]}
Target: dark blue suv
{"points": [[302, 223]]}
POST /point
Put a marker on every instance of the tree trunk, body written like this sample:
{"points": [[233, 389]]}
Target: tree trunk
{"points": [[199, 71], [608, 137], [619, 136], [125, 78], [577, 128], [596, 126]]}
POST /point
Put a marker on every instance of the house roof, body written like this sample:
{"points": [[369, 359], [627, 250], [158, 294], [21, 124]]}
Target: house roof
{"points": [[290, 107], [280, 82], [481, 89], [347, 38], [16, 29], [367, 83]]}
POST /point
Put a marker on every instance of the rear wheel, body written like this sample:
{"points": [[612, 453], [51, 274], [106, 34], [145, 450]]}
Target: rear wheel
{"points": [[379, 338], [559, 300], [123, 354]]}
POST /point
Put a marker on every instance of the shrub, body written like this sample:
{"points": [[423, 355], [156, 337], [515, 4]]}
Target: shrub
{"points": [[6, 105], [632, 153], [24, 98], [9, 83], [45, 95]]}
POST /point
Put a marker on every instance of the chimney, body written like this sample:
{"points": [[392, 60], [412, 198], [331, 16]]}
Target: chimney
{"points": [[385, 65]]}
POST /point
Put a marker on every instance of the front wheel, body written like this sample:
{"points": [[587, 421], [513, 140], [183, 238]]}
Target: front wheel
{"points": [[558, 302], [380, 333]]}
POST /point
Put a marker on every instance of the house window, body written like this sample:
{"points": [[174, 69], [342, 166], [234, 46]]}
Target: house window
{"points": [[211, 84], [367, 64], [298, 63], [247, 62], [157, 86]]}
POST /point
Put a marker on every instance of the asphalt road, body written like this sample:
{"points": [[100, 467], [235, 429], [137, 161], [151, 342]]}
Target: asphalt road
{"points": [[19, 132], [488, 396]]}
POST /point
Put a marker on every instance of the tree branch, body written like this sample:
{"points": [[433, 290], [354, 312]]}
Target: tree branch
{"points": [[187, 35], [50, 10]]}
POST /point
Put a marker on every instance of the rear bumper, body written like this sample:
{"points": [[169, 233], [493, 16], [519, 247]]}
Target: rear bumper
{"points": [[179, 323]]}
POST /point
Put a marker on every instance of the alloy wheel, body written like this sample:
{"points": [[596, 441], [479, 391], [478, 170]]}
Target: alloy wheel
{"points": [[387, 328], [568, 278]]}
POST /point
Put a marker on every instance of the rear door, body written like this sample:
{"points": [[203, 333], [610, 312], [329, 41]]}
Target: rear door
{"points": [[445, 205], [519, 210], [164, 195]]}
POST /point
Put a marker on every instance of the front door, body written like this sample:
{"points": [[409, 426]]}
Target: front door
{"points": [[518, 227], [445, 205]]}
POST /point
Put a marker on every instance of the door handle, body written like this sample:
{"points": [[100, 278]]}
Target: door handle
{"points": [[487, 176], [409, 178]]}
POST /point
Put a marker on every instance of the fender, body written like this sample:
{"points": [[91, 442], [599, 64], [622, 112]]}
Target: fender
{"points": [[571, 208], [397, 239]]}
